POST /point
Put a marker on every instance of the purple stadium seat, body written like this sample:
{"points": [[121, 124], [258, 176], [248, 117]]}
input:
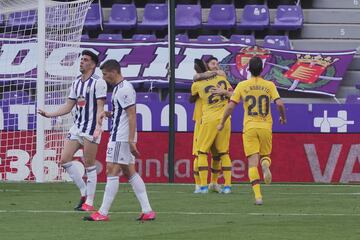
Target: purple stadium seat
{"points": [[357, 85], [122, 16], [288, 17], [1, 20], [277, 42], [144, 37], [155, 16], [188, 16], [85, 37], [254, 17], [104, 36], [147, 97], [180, 97], [353, 99], [93, 20], [22, 20], [179, 38], [243, 39], [221, 16], [210, 38]]}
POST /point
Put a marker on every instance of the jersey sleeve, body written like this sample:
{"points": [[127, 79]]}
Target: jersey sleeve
{"points": [[126, 97], [236, 97], [100, 89], [72, 94], [194, 89], [274, 93]]}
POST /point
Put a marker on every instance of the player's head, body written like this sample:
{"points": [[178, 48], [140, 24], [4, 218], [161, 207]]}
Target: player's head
{"points": [[88, 62], [199, 66], [212, 63], [255, 66], [111, 71]]}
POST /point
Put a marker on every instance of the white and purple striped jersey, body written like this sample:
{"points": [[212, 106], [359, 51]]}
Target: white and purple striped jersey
{"points": [[123, 97], [86, 93]]}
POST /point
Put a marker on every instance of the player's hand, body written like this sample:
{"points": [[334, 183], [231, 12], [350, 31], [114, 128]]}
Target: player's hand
{"points": [[220, 73], [42, 113], [220, 127], [218, 90], [282, 120], [133, 149]]}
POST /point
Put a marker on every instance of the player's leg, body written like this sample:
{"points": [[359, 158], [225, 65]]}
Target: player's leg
{"points": [[196, 174], [70, 147], [90, 150], [206, 138], [112, 182], [265, 151], [215, 170], [251, 149], [222, 143], [195, 153], [137, 183]]}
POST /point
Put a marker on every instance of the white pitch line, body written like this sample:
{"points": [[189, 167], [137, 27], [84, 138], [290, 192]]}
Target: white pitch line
{"points": [[181, 192], [192, 213]]}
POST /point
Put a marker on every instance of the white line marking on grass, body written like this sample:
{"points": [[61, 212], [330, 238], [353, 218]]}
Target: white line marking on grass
{"points": [[191, 213]]}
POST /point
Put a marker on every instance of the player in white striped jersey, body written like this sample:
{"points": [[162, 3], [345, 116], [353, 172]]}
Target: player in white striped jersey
{"points": [[121, 149], [87, 95]]}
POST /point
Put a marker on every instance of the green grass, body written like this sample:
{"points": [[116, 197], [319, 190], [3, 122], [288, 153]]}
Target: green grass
{"points": [[44, 211]]}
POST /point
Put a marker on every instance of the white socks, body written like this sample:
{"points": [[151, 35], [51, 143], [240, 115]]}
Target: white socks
{"points": [[76, 177], [91, 185], [139, 188], [111, 188]]}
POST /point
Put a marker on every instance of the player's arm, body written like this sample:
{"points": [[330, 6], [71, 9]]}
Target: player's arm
{"points": [[131, 112], [203, 76], [192, 99], [64, 109], [281, 108], [194, 92], [279, 103], [228, 111]]}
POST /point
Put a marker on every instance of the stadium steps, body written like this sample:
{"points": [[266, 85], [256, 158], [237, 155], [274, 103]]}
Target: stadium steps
{"points": [[338, 31], [336, 4]]}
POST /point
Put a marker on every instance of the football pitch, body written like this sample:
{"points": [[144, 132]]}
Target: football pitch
{"points": [[290, 211]]}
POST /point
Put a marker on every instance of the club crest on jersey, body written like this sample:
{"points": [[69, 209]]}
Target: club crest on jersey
{"points": [[81, 101]]}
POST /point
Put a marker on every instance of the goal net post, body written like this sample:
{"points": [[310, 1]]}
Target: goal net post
{"points": [[39, 59]]}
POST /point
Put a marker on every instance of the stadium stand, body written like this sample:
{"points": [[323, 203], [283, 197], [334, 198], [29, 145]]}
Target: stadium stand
{"points": [[210, 38], [16, 20], [109, 36], [155, 16], [221, 16], [188, 16], [254, 17], [122, 16], [288, 17], [94, 18], [277, 42], [144, 37], [243, 39]]}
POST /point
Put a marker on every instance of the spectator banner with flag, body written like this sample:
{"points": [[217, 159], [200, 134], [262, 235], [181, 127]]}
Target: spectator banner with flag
{"points": [[315, 72]]}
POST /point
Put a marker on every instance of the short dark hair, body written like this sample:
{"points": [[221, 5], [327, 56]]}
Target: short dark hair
{"points": [[210, 59], [199, 66], [111, 65], [92, 55], [255, 66]]}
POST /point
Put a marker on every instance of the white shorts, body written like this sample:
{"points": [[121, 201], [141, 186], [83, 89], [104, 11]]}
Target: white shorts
{"points": [[119, 152], [76, 134]]}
